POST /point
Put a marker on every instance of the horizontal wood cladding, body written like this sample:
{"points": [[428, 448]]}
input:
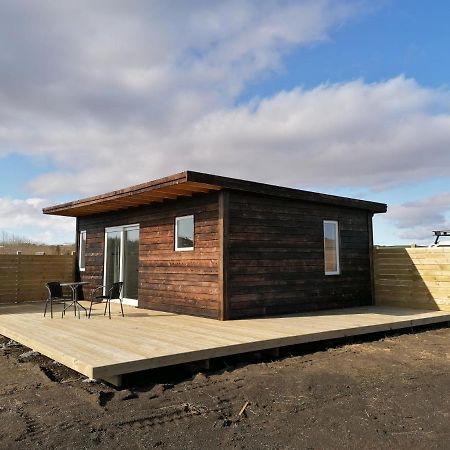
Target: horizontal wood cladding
{"points": [[276, 257], [23, 277], [181, 282], [413, 277], [267, 259]]}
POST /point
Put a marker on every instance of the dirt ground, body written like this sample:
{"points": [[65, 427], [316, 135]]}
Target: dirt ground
{"points": [[392, 392]]}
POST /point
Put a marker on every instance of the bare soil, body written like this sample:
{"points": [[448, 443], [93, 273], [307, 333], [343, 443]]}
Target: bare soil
{"points": [[391, 392]]}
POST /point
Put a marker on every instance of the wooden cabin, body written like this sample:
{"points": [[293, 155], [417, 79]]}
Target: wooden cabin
{"points": [[225, 248]]}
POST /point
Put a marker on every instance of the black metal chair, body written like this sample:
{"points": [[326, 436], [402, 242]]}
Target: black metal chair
{"points": [[114, 293], [56, 295]]}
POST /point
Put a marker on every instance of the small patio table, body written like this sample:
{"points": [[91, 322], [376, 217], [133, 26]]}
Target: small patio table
{"points": [[76, 304]]}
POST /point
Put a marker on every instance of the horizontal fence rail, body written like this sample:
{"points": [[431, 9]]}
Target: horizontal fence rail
{"points": [[23, 277], [412, 277]]}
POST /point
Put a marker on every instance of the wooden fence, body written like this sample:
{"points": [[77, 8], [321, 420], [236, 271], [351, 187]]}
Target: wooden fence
{"points": [[407, 277], [23, 277], [412, 277]]}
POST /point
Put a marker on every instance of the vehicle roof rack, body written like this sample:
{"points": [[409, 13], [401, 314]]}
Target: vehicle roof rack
{"points": [[439, 233]]}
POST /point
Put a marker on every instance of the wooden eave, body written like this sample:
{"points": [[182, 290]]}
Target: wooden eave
{"points": [[186, 184]]}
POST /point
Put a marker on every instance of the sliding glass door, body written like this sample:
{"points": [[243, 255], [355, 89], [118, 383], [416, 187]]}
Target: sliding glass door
{"points": [[122, 259], [130, 262]]}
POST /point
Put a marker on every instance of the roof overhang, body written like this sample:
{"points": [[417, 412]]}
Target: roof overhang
{"points": [[186, 184]]}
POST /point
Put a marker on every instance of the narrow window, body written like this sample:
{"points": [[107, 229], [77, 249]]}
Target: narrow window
{"points": [[184, 233], [82, 251], [331, 247]]}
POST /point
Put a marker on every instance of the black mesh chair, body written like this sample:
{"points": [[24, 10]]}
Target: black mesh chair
{"points": [[56, 295], [113, 293]]}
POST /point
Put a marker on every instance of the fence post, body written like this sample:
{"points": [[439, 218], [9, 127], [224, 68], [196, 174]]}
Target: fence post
{"points": [[18, 276]]}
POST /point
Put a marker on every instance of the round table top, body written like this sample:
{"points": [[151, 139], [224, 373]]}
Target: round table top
{"points": [[75, 283]]}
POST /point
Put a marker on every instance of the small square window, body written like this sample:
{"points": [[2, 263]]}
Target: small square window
{"points": [[82, 251], [331, 247], [184, 233]]}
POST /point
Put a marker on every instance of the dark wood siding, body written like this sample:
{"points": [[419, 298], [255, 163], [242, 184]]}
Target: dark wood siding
{"points": [[276, 257], [182, 282], [273, 262]]}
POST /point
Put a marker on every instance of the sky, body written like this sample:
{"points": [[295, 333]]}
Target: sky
{"points": [[347, 97]]}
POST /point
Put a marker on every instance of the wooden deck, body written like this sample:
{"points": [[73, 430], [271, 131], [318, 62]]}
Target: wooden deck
{"points": [[144, 339]]}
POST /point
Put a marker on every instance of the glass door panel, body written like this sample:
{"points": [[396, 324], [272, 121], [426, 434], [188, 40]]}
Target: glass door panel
{"points": [[122, 260], [113, 257], [130, 263]]}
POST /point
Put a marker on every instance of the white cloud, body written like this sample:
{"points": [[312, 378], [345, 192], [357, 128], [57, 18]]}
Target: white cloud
{"points": [[417, 219], [375, 136], [25, 218], [158, 64], [115, 93], [97, 86]]}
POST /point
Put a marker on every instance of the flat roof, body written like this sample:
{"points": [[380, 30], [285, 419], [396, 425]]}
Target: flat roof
{"points": [[188, 183]]}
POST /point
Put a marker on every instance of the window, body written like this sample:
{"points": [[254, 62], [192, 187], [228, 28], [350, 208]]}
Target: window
{"points": [[82, 251], [184, 233], [331, 247]]}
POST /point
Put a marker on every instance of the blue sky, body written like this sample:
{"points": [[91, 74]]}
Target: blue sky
{"points": [[397, 37], [353, 98]]}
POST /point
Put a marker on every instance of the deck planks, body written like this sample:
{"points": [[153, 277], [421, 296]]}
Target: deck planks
{"points": [[146, 339]]}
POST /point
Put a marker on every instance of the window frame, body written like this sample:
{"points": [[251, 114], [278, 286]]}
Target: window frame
{"points": [[184, 249], [338, 248], [82, 268]]}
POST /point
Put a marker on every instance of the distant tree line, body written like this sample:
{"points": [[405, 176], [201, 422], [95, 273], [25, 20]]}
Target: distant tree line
{"points": [[11, 238], [11, 243]]}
